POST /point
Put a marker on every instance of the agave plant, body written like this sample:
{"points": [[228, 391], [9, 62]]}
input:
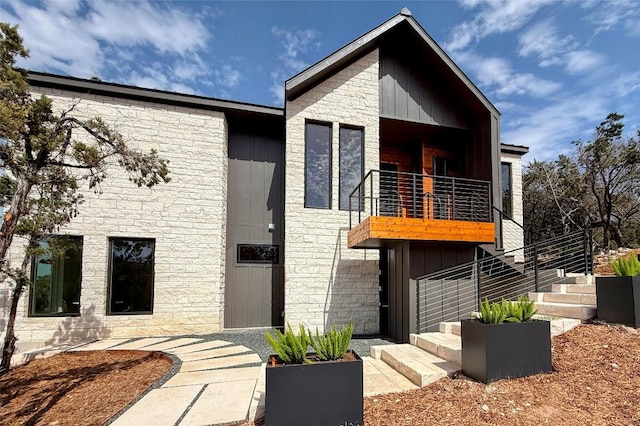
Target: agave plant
{"points": [[291, 348], [521, 311], [333, 345], [628, 266], [494, 313]]}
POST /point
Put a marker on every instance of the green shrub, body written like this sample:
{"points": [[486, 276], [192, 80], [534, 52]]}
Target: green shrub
{"points": [[628, 266], [520, 311], [494, 313], [290, 348], [333, 345], [506, 311]]}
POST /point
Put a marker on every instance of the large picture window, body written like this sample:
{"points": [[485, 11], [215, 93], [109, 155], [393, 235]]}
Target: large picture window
{"points": [[507, 190], [57, 277], [351, 168], [131, 275], [317, 163]]}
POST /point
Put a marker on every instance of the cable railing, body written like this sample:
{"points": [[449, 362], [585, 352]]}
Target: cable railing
{"points": [[453, 294], [412, 195]]}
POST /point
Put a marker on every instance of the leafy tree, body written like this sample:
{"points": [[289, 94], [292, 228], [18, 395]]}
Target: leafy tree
{"points": [[45, 158], [611, 172], [597, 187]]}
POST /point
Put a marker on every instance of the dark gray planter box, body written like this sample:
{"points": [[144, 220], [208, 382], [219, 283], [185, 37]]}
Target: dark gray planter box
{"points": [[618, 300], [322, 393], [492, 352]]}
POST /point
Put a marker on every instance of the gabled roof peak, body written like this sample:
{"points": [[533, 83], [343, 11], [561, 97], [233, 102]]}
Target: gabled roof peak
{"points": [[405, 11]]}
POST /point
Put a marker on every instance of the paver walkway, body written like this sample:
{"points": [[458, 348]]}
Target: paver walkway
{"points": [[219, 382]]}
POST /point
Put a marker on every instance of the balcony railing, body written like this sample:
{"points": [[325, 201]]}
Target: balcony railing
{"points": [[412, 195]]}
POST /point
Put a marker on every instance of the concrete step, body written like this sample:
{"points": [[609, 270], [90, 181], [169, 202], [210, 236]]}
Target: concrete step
{"points": [[452, 327], [442, 345], [420, 367], [573, 298], [574, 288], [380, 378], [566, 310]]}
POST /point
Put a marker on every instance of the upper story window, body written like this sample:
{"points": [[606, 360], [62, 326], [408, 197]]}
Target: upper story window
{"points": [[507, 189], [131, 275], [57, 277], [351, 163], [317, 165]]}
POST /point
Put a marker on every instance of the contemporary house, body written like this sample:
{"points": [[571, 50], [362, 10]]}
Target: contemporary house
{"points": [[384, 164]]}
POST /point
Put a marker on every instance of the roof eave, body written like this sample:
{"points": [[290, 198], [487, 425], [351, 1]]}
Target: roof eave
{"points": [[513, 149], [74, 84]]}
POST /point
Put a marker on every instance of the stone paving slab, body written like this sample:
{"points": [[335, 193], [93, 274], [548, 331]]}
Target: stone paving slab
{"points": [[214, 353], [160, 407], [213, 376], [171, 344], [139, 343], [223, 362], [221, 403], [198, 347], [380, 378], [256, 409], [100, 345]]}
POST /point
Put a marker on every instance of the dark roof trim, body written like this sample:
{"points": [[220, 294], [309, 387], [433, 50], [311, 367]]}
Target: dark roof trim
{"points": [[80, 85], [513, 149], [295, 86]]}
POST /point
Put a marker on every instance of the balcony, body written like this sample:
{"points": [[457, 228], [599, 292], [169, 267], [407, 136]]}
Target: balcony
{"points": [[389, 207]]}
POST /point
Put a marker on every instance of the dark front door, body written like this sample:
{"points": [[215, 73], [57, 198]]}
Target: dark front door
{"points": [[254, 282]]}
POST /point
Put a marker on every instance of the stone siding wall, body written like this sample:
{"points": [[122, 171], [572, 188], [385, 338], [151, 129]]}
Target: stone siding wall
{"points": [[513, 235], [186, 217], [327, 283]]}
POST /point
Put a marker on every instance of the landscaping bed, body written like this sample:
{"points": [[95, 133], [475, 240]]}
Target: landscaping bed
{"points": [[77, 388]]}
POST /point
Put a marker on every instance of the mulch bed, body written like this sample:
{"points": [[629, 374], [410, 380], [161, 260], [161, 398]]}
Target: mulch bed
{"points": [[77, 388], [596, 382]]}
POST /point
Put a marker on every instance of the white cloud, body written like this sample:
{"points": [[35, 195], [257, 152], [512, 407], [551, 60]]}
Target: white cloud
{"points": [[581, 61], [494, 17], [294, 43], [497, 76], [228, 77], [612, 14], [543, 41]]}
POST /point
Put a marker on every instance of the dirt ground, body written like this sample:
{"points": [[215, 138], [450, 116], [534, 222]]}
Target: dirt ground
{"points": [[77, 388], [596, 382]]}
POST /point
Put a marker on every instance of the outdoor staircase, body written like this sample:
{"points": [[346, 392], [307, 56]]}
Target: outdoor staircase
{"points": [[434, 355], [573, 297]]}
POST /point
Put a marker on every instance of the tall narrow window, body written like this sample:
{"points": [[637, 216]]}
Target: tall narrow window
{"points": [[351, 168], [57, 276], [131, 275], [317, 161], [507, 190]]}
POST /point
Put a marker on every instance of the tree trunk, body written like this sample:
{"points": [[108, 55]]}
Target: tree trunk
{"points": [[9, 223], [11, 217], [9, 346]]}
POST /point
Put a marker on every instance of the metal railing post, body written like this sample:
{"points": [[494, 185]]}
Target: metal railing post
{"points": [[535, 266], [584, 251], [371, 193], [414, 197], [418, 330]]}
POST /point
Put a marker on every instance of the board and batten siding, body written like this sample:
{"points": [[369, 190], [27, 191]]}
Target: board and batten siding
{"points": [[186, 217], [327, 283], [408, 93]]}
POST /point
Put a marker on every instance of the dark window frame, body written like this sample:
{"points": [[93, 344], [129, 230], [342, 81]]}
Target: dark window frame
{"points": [[110, 277], [507, 209], [34, 262], [261, 262], [362, 157], [330, 177]]}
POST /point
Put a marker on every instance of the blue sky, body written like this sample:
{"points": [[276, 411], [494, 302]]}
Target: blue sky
{"points": [[553, 68]]}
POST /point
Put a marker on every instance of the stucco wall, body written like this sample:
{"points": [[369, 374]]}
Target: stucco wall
{"points": [[513, 235], [186, 217], [327, 283]]}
